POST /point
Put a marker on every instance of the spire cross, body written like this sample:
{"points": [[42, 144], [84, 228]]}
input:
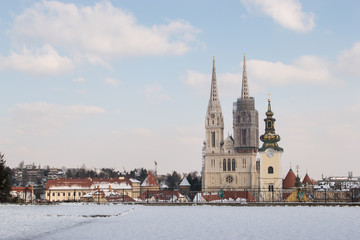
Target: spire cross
{"points": [[269, 95]]}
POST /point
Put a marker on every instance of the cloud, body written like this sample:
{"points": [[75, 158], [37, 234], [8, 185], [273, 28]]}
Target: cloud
{"points": [[101, 30], [306, 70], [154, 95], [112, 81], [287, 13], [349, 60], [43, 61], [79, 79], [43, 118]]}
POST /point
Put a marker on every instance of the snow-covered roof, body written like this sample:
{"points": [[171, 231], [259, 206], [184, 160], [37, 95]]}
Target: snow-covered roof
{"points": [[184, 182]]}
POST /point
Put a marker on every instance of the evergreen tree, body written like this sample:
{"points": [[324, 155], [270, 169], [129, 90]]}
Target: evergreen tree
{"points": [[5, 184]]}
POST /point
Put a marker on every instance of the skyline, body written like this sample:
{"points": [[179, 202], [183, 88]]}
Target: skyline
{"points": [[124, 84]]}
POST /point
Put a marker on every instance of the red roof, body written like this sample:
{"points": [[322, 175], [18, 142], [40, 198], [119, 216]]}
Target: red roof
{"points": [[149, 181], [307, 180], [160, 195], [289, 181], [21, 189]]}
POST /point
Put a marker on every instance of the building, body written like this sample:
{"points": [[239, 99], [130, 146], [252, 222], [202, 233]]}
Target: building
{"points": [[270, 153], [231, 164], [60, 190]]}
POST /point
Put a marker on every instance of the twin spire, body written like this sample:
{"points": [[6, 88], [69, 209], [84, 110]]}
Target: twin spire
{"points": [[214, 102]]}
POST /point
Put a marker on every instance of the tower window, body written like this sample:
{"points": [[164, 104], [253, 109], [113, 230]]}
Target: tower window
{"points": [[213, 139], [238, 118], [233, 164], [243, 134], [269, 124], [224, 165], [270, 170], [229, 165], [271, 187]]}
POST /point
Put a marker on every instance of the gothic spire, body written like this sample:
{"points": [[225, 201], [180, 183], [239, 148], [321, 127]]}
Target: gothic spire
{"points": [[245, 85], [214, 102]]}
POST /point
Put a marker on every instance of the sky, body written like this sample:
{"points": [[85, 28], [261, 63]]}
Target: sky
{"points": [[122, 84]]}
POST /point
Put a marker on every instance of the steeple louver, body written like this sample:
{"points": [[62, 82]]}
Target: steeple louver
{"points": [[245, 85]]}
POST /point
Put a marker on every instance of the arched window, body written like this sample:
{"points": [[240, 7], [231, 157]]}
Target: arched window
{"points": [[238, 118], [233, 164], [229, 165], [224, 165], [271, 170], [269, 124]]}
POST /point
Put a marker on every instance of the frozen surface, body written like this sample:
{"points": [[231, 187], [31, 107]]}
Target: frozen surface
{"points": [[88, 221]]}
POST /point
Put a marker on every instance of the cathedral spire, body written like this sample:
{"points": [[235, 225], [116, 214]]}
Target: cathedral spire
{"points": [[245, 85], [214, 102]]}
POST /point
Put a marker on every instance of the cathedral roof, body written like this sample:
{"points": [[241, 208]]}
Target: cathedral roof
{"points": [[149, 181], [290, 179], [307, 180]]}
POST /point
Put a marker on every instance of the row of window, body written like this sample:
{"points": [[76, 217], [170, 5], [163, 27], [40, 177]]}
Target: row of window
{"points": [[231, 165], [228, 165], [64, 194]]}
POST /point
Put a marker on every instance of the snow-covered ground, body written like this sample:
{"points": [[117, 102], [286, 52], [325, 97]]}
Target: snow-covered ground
{"points": [[92, 221]]}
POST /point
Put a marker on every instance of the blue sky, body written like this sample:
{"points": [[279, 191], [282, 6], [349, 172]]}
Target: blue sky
{"points": [[126, 83]]}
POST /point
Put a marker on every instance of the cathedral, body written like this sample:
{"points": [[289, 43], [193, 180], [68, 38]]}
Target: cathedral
{"points": [[235, 164]]}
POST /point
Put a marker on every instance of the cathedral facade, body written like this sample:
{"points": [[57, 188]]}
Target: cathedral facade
{"points": [[231, 164]]}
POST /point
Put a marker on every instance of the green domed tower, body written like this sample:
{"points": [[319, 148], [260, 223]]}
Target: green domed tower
{"points": [[270, 138], [270, 163]]}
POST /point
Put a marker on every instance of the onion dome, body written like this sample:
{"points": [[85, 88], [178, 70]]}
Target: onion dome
{"points": [[270, 138]]}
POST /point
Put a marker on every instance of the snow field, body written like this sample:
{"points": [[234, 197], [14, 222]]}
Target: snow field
{"points": [[110, 221]]}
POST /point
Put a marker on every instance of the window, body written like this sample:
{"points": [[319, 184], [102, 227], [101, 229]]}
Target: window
{"points": [[238, 118], [63, 194], [244, 162], [224, 165], [269, 124], [233, 164], [243, 135], [271, 187], [53, 194], [229, 165], [213, 139], [79, 193], [58, 194], [270, 170], [48, 194], [69, 194], [229, 179]]}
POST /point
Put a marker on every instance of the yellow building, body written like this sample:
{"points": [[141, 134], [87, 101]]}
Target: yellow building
{"points": [[270, 166], [71, 190]]}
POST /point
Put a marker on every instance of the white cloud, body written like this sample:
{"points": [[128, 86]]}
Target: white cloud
{"points": [[304, 70], [154, 95], [112, 81], [43, 61], [349, 60], [308, 70], [100, 30], [79, 79], [287, 13], [42, 117]]}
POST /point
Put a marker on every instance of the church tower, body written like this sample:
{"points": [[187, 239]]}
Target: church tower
{"points": [[214, 122], [271, 153], [225, 166], [245, 119]]}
